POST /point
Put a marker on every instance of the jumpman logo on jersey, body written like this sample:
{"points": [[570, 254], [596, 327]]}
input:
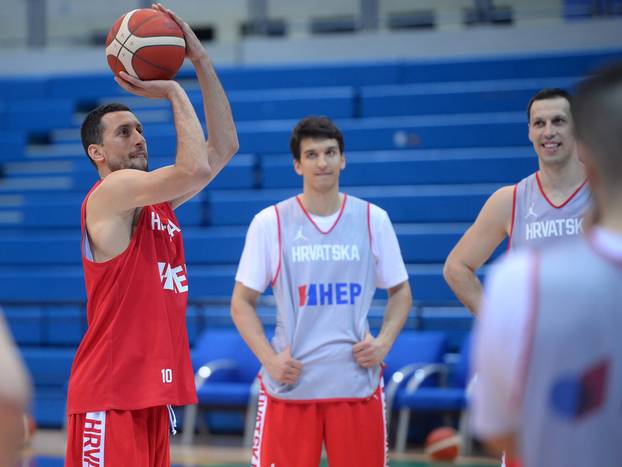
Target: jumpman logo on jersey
{"points": [[300, 235], [531, 212]]}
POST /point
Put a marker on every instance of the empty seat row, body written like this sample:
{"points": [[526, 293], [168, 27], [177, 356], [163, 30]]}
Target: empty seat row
{"points": [[369, 134], [546, 65], [246, 171], [65, 284], [406, 204]]}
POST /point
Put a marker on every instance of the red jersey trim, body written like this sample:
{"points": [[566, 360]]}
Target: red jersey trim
{"points": [[513, 216], [530, 329], [278, 227], [565, 202], [369, 223], [343, 205]]}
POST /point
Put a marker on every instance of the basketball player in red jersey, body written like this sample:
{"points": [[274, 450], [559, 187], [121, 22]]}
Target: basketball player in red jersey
{"points": [[545, 206], [134, 361]]}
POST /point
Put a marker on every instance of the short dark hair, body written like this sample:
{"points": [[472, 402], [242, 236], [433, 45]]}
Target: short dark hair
{"points": [[548, 93], [314, 127], [597, 112], [91, 131]]}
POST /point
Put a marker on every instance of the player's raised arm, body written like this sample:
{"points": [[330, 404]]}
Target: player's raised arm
{"points": [[476, 246], [222, 141], [123, 146]]}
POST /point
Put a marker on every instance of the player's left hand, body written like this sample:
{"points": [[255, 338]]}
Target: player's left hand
{"points": [[194, 48], [370, 352]]}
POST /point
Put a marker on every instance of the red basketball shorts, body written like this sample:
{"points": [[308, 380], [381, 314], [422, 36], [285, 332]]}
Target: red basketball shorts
{"points": [[115, 438], [291, 433]]}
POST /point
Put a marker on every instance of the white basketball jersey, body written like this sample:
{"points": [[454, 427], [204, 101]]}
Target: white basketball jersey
{"points": [[572, 401], [323, 291], [536, 221]]}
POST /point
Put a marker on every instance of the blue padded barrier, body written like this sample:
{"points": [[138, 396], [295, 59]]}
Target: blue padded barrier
{"points": [[294, 103], [64, 212], [419, 244], [26, 324], [49, 406], [507, 67], [580, 9], [48, 366], [275, 77], [13, 144], [450, 98], [80, 175], [66, 284], [492, 165], [23, 87], [65, 326], [371, 134], [405, 204], [28, 114], [87, 86], [41, 249], [455, 322]]}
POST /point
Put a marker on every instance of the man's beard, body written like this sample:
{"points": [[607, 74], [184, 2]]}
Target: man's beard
{"points": [[135, 164]]}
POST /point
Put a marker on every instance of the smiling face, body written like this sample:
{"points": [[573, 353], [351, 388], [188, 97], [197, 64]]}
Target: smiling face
{"points": [[551, 131], [123, 143], [320, 164]]}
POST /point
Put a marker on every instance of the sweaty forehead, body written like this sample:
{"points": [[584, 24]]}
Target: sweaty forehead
{"points": [[113, 120], [547, 108], [317, 144]]}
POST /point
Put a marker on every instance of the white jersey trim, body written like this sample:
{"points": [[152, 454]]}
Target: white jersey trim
{"points": [[94, 439]]}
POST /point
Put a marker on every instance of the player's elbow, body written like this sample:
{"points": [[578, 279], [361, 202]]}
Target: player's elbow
{"points": [[232, 146], [454, 271], [449, 269], [197, 172]]}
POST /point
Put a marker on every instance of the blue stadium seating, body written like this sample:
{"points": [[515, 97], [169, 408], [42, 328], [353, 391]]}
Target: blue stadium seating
{"points": [[65, 284], [413, 167], [427, 141], [451, 203], [451, 98], [416, 395]]}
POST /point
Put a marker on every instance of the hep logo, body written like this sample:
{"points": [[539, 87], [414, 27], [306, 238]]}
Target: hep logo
{"points": [[340, 293], [173, 278]]}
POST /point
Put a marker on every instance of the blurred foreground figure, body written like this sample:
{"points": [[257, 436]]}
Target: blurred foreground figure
{"points": [[14, 399], [553, 395]]}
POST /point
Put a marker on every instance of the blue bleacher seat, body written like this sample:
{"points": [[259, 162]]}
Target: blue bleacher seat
{"points": [[404, 204], [26, 324], [411, 351], [50, 368], [225, 371], [415, 395]]}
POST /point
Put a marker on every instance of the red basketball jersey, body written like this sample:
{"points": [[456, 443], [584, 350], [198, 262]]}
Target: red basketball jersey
{"points": [[135, 352]]}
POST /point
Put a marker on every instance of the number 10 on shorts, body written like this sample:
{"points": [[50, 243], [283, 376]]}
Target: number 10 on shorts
{"points": [[167, 375]]}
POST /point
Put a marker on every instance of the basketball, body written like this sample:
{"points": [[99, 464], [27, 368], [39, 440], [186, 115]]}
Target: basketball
{"points": [[442, 444], [146, 44]]}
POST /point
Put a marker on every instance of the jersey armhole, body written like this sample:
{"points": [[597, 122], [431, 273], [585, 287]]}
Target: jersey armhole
{"points": [[529, 332], [278, 226], [369, 224], [513, 216]]}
